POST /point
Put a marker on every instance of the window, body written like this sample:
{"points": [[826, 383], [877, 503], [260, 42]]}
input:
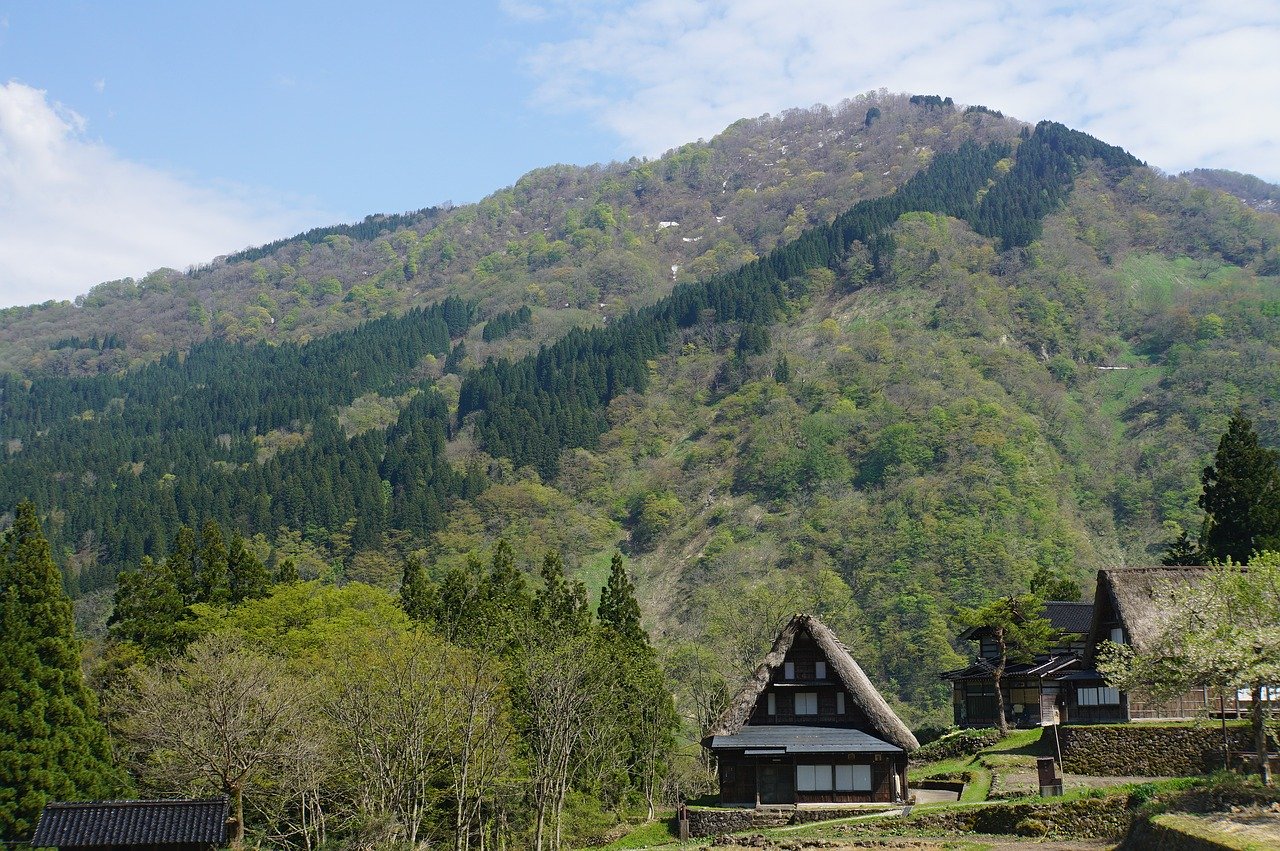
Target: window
{"points": [[1098, 697], [1117, 635], [853, 778], [807, 703], [813, 778], [819, 778], [789, 670], [773, 704], [819, 670], [839, 703]]}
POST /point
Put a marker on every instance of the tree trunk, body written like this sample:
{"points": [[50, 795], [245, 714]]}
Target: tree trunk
{"points": [[1260, 734], [237, 803]]}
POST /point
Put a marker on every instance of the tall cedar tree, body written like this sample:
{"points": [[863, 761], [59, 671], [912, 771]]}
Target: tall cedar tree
{"points": [[1241, 497], [1020, 631], [418, 597], [150, 611], [247, 576], [52, 746], [619, 609]]}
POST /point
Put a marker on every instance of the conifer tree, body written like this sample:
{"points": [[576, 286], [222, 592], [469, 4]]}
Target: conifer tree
{"points": [[417, 596], [561, 603], [286, 572], [182, 564], [149, 610], [213, 584], [619, 609], [1241, 497], [247, 577], [52, 745]]}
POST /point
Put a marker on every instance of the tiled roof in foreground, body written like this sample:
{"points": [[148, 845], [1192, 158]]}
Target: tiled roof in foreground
{"points": [[171, 822]]}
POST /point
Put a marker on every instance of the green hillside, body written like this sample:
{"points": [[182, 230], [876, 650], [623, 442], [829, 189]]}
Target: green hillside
{"points": [[884, 397]]}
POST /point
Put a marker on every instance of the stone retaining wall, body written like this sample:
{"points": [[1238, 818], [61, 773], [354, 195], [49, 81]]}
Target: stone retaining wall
{"points": [[1146, 750], [713, 822], [1101, 818]]}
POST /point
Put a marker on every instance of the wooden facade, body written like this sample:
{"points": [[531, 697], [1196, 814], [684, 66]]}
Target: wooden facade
{"points": [[764, 781], [810, 729], [1126, 609]]}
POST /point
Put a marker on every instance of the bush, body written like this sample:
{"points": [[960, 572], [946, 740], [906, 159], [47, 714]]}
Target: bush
{"points": [[959, 743], [930, 733], [1032, 827]]}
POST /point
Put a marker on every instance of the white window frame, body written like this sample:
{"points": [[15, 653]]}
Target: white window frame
{"points": [[1102, 696], [1117, 635], [814, 778], [806, 703]]}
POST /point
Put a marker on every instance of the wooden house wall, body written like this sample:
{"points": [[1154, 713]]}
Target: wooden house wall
{"points": [[804, 653], [739, 775]]}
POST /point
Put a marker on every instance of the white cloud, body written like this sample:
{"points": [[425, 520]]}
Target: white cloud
{"points": [[1179, 84], [74, 213]]}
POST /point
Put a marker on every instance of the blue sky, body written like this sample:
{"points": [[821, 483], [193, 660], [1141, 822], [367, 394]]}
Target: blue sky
{"points": [[140, 134]]}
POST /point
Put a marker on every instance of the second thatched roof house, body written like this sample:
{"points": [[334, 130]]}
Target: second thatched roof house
{"points": [[810, 728]]}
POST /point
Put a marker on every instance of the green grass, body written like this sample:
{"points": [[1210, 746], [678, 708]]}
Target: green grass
{"points": [[1198, 828]]}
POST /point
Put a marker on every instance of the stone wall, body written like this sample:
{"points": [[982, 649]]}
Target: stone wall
{"points": [[713, 822], [806, 816], [1146, 750], [1101, 818]]}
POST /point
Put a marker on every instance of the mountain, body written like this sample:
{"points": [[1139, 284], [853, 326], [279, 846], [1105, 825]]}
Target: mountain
{"points": [[1000, 366], [1254, 191], [575, 244]]}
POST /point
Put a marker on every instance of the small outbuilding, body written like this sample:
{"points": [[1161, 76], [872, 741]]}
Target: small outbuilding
{"points": [[166, 825], [810, 728]]}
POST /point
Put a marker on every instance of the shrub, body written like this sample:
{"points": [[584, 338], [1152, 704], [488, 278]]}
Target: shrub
{"points": [[959, 743], [1032, 827]]}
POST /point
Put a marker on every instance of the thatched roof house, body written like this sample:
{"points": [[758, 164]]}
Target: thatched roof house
{"points": [[809, 727], [1131, 603]]}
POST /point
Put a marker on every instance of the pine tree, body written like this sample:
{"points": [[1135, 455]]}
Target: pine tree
{"points": [[213, 584], [417, 596], [1182, 551], [561, 603], [149, 610], [619, 609], [52, 746], [247, 577], [1241, 497], [286, 572]]}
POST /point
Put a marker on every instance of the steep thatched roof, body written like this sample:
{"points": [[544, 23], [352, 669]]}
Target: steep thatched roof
{"points": [[1140, 596], [885, 724]]}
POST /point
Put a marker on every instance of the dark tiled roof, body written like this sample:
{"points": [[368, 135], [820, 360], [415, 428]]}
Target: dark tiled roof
{"points": [[132, 823], [796, 739], [1065, 617], [1051, 668], [1069, 617]]}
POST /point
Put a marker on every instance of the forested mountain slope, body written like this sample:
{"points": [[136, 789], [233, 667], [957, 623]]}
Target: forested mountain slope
{"points": [[1006, 373], [576, 244]]}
